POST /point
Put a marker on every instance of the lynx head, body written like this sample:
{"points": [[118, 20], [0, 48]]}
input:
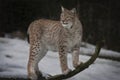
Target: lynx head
{"points": [[67, 17]]}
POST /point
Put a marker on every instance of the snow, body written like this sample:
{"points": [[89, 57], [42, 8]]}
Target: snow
{"points": [[14, 57], [88, 49]]}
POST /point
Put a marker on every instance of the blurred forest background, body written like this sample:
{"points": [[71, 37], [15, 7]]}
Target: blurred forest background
{"points": [[100, 18]]}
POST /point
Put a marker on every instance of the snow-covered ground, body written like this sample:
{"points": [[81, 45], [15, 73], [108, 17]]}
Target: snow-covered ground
{"points": [[14, 57]]}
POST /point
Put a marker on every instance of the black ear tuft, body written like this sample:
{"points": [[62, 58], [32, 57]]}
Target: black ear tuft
{"points": [[28, 38]]}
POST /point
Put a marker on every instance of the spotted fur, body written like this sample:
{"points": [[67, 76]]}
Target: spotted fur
{"points": [[62, 36]]}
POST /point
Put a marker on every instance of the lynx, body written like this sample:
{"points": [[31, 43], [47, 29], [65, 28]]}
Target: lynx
{"points": [[62, 36]]}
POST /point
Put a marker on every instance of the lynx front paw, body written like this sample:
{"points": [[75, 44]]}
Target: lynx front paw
{"points": [[75, 65], [45, 75], [67, 71], [33, 77]]}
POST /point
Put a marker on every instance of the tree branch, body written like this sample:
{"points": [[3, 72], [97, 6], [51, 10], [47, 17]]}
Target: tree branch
{"points": [[80, 67]]}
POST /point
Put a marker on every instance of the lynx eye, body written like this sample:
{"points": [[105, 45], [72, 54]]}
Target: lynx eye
{"points": [[72, 17]]}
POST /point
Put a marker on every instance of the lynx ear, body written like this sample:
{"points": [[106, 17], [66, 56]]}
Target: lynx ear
{"points": [[62, 8], [73, 10]]}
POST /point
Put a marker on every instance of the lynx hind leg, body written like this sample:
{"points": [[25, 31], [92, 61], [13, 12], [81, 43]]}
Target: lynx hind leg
{"points": [[63, 60], [75, 58], [36, 54]]}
